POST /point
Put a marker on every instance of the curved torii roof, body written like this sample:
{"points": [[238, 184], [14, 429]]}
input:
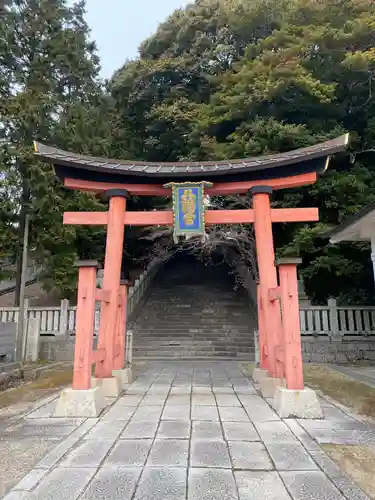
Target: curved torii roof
{"points": [[300, 161]]}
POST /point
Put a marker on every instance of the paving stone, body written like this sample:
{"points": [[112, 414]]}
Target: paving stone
{"points": [[119, 413], [333, 413], [105, 430], [152, 400], [211, 484], [261, 413], [88, 453], [308, 485], [176, 413], [301, 434], [171, 452], [233, 414], [129, 400], [204, 413], [162, 484], [129, 452], [46, 428], [206, 430], [62, 484], [251, 400], [17, 495], [240, 431], [227, 400], [113, 483], [249, 456], [180, 390], [201, 381], [161, 389], [350, 491], [223, 390], [260, 485], [139, 429], [337, 432], [44, 411], [201, 390], [182, 382], [325, 463], [242, 391], [54, 456], [275, 432], [31, 479], [178, 400], [139, 392], [149, 413], [203, 400], [205, 453], [221, 382], [290, 456], [240, 381], [174, 429]]}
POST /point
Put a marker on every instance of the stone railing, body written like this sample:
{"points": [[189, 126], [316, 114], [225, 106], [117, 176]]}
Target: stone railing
{"points": [[331, 320], [336, 321], [60, 320], [53, 320], [335, 334], [141, 285]]}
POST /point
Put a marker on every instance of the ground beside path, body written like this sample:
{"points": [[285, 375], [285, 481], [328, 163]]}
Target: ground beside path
{"points": [[195, 431]]}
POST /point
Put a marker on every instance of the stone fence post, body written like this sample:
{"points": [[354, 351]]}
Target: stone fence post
{"points": [[334, 318], [64, 317], [32, 340]]}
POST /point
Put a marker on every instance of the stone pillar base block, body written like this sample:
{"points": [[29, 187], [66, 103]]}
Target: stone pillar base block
{"points": [[110, 387], [80, 403], [259, 374], [297, 403], [268, 386], [125, 376]]}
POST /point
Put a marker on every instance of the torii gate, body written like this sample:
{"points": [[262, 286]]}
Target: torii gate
{"points": [[280, 373]]}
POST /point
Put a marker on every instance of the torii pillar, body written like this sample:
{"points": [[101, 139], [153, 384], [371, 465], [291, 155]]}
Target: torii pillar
{"points": [[111, 383], [270, 327]]}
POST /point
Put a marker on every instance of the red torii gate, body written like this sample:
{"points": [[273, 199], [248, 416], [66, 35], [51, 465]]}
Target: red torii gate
{"points": [[278, 312]]}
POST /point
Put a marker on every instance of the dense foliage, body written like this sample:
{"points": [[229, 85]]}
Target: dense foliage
{"points": [[219, 79], [234, 78]]}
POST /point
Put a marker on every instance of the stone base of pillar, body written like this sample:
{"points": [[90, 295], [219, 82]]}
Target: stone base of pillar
{"points": [[110, 387], [80, 403], [259, 374], [125, 376], [268, 386], [302, 403]]}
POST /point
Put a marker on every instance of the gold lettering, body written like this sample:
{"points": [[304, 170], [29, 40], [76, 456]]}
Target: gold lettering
{"points": [[188, 206]]}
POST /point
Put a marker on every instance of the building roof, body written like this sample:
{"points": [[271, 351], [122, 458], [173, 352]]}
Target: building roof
{"points": [[300, 160], [358, 227]]}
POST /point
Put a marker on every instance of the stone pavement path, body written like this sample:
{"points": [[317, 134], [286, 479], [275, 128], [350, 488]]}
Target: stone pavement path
{"points": [[195, 431]]}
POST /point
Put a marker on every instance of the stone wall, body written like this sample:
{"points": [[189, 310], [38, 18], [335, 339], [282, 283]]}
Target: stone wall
{"points": [[348, 349], [59, 348], [56, 348], [320, 349]]}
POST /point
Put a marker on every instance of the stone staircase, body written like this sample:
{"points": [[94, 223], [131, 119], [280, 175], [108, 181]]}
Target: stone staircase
{"points": [[193, 312]]}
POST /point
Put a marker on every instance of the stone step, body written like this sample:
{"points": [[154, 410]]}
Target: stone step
{"points": [[193, 357], [192, 312], [223, 346], [203, 349]]}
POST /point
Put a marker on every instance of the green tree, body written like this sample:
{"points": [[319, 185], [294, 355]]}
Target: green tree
{"points": [[49, 91], [225, 79]]}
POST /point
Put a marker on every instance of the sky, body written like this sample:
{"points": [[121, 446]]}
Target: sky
{"points": [[119, 26]]}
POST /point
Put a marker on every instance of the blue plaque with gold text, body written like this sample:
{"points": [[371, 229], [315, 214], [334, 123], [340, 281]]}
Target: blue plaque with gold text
{"points": [[188, 208]]}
